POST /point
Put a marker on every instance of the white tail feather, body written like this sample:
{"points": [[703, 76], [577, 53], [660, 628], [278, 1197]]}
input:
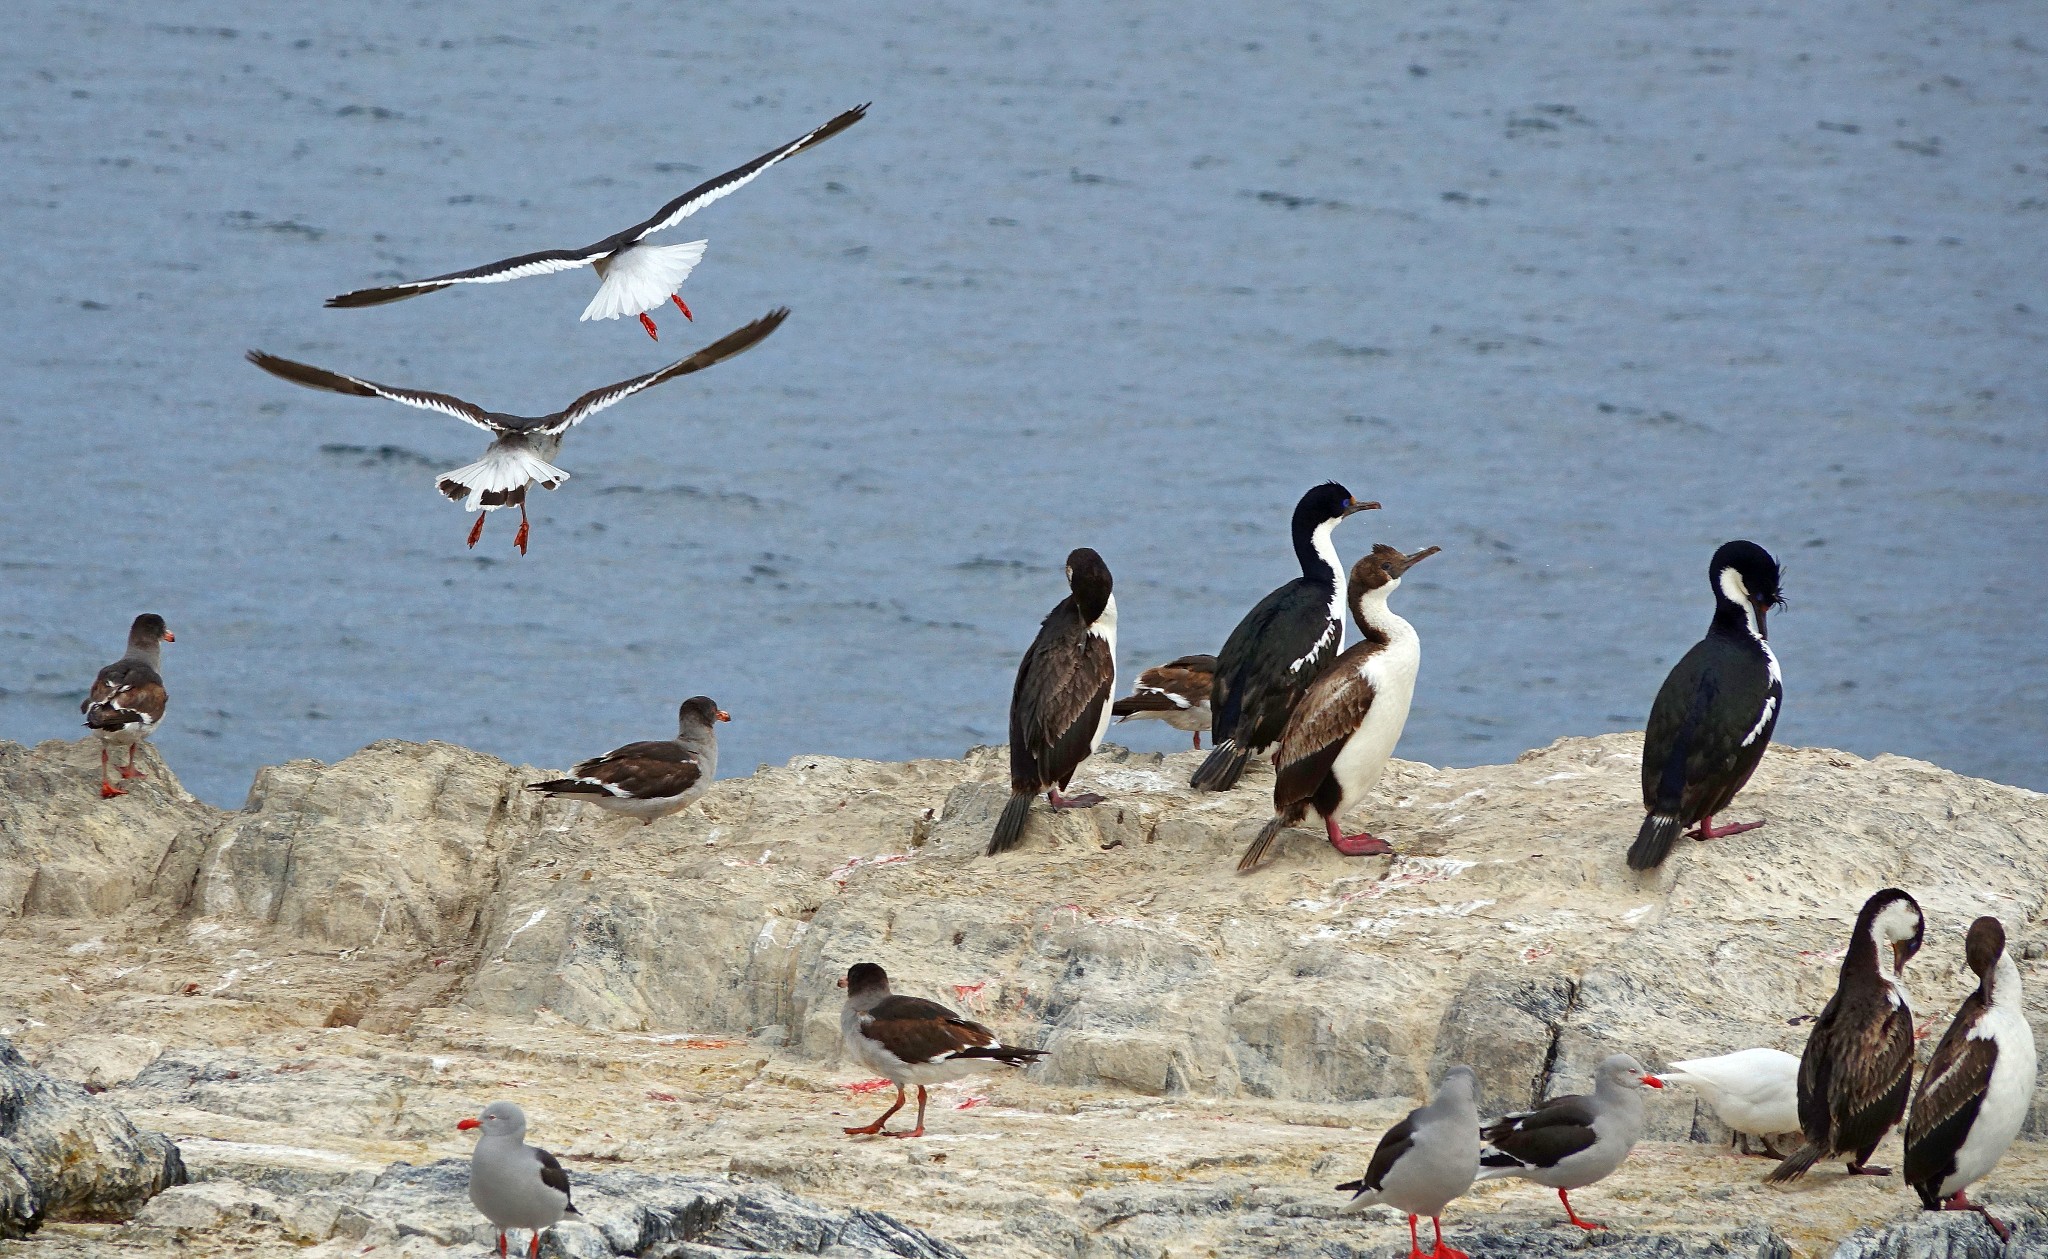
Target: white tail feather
{"points": [[501, 470], [641, 277]]}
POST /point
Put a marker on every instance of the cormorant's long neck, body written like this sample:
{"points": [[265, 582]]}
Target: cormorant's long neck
{"points": [[1317, 553], [1377, 623], [1862, 964], [1733, 615]]}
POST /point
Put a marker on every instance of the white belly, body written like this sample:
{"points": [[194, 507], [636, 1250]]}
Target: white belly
{"points": [[129, 735], [1365, 754], [2005, 1103], [645, 808]]}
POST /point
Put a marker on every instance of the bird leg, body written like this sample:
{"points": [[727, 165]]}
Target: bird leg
{"points": [[918, 1131], [1414, 1242], [107, 790], [876, 1126], [129, 770], [1573, 1216], [677, 298], [1860, 1168], [648, 324], [1198, 740], [1086, 800], [519, 539], [1960, 1201], [1442, 1251], [1359, 845], [501, 1246], [477, 530], [1707, 829], [533, 1251]]}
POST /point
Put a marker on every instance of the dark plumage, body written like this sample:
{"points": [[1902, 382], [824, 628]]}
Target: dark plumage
{"points": [[913, 1041], [1857, 1070], [652, 778], [1978, 1087], [1715, 712], [1176, 693], [1281, 645], [128, 699], [1059, 707]]}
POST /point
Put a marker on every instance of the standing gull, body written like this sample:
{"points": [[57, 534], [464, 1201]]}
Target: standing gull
{"points": [[634, 276], [655, 778], [1281, 645], [1857, 1070], [1714, 714], [127, 699], [1572, 1141], [1344, 729], [522, 446], [1176, 693], [1754, 1091], [1059, 707], [1425, 1161], [913, 1041], [1975, 1094], [514, 1184]]}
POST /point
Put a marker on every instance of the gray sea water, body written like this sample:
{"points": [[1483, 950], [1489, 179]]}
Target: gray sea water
{"points": [[1578, 289]]}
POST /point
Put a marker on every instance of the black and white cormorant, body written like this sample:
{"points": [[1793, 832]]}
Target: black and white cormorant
{"points": [[1281, 645], [1857, 1070], [1061, 704], [1715, 712], [1975, 1094]]}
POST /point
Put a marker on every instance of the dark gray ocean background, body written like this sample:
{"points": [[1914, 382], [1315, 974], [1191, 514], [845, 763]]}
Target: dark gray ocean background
{"points": [[1578, 290]]}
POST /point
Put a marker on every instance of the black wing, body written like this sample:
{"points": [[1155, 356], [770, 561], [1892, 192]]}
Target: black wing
{"points": [[552, 1175], [334, 382], [1546, 1136], [1950, 1094], [1708, 728], [734, 180], [545, 262], [1063, 683], [1392, 1146], [1280, 647], [717, 352]]}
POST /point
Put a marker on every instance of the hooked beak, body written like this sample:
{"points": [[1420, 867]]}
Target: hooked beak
{"points": [[1353, 507], [170, 637], [724, 715], [469, 1123], [1653, 1081], [1898, 957], [1420, 556]]}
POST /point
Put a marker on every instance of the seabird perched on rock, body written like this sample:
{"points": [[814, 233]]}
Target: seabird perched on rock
{"points": [[652, 779], [514, 1184], [1176, 693], [1715, 712], [522, 447], [1060, 705], [1345, 726], [913, 1041], [127, 699], [1572, 1141], [1754, 1091], [1426, 1160], [1281, 645], [1975, 1093], [634, 276], [1857, 1071]]}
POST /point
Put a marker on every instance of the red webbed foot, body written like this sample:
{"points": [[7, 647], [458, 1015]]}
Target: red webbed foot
{"points": [[648, 324], [477, 530], [677, 298], [108, 790]]}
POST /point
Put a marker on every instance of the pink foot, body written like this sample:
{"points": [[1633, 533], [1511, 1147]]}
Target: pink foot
{"points": [[648, 324], [1086, 800], [129, 771], [1707, 829], [1359, 845]]}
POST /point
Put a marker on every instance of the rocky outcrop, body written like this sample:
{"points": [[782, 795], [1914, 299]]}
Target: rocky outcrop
{"points": [[67, 1156], [416, 903], [64, 852]]}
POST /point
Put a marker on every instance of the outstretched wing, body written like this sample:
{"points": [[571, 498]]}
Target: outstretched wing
{"points": [[734, 180], [718, 351], [543, 263], [335, 382]]}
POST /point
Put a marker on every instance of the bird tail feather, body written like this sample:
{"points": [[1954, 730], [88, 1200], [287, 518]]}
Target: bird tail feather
{"points": [[569, 787], [1653, 842], [1223, 768], [499, 479], [642, 277], [1010, 826], [1796, 1165], [1363, 1198], [1257, 852], [1001, 1053]]}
